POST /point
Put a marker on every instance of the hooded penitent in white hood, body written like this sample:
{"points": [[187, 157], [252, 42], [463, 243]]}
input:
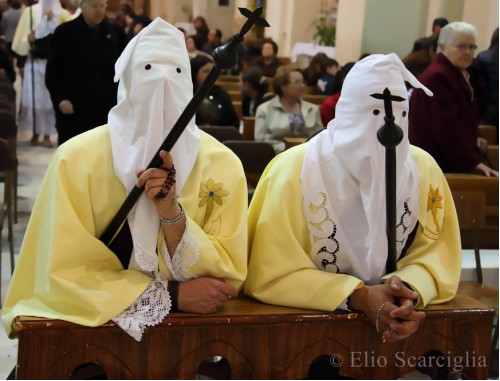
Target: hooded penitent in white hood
{"points": [[43, 25], [155, 87], [343, 177]]}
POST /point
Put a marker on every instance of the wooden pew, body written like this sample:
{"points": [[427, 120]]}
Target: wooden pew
{"points": [[489, 186], [489, 133], [229, 86], [248, 128], [254, 156], [235, 95], [492, 155], [314, 98], [238, 108], [310, 90], [293, 141], [228, 78], [258, 341]]}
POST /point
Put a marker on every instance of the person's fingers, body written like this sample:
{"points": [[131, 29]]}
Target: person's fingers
{"points": [[228, 290], [400, 330], [399, 290], [154, 174], [139, 172], [406, 311], [168, 161]]}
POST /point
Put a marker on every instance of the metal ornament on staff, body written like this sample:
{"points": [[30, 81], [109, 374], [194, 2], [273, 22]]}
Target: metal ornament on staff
{"points": [[225, 57], [390, 135]]}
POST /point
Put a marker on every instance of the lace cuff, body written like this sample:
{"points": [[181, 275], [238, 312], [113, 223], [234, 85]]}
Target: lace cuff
{"points": [[186, 255], [149, 309]]}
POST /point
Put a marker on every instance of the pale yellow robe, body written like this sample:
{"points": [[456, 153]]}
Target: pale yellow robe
{"points": [[65, 272], [280, 268]]}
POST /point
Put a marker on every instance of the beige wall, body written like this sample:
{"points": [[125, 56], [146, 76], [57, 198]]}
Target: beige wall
{"points": [[351, 18], [216, 16], [358, 21], [483, 14]]}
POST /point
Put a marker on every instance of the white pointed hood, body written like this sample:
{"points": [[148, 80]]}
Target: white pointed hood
{"points": [[155, 87], [343, 177], [42, 25]]}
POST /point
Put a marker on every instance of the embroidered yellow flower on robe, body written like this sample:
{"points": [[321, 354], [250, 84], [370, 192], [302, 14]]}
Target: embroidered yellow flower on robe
{"points": [[433, 204], [211, 193]]}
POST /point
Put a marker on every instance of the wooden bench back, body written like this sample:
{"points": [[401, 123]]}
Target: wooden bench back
{"points": [[314, 98], [259, 341], [488, 188], [248, 128], [489, 133]]}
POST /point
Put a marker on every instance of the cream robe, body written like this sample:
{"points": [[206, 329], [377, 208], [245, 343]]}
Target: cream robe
{"points": [[20, 42], [280, 268], [65, 272]]}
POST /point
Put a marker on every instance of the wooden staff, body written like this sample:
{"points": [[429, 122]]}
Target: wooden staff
{"points": [[390, 135], [225, 58], [32, 59]]}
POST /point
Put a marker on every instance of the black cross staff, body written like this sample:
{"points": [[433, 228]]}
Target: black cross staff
{"points": [[390, 135], [225, 58]]}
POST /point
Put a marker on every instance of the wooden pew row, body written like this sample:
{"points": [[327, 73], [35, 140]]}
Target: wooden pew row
{"points": [[228, 78], [259, 341], [235, 95], [248, 128], [489, 133], [489, 186], [229, 86], [238, 108], [492, 155], [313, 98], [293, 141]]}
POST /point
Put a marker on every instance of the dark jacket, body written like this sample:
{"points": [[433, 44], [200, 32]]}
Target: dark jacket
{"points": [[217, 109], [445, 125], [80, 68]]}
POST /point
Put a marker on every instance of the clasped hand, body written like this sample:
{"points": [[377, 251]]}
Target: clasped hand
{"points": [[204, 295], [390, 308]]}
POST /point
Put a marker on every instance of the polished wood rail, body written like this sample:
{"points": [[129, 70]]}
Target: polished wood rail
{"points": [[258, 341]]}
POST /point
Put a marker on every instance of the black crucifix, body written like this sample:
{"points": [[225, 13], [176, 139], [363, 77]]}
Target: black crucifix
{"points": [[225, 57], [390, 135]]}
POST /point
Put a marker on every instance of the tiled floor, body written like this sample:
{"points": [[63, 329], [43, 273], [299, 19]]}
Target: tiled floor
{"points": [[33, 162]]}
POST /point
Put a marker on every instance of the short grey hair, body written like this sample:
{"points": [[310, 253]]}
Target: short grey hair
{"points": [[449, 31]]}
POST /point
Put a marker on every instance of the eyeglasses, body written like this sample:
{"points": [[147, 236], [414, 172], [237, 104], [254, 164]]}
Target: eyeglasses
{"points": [[464, 47]]}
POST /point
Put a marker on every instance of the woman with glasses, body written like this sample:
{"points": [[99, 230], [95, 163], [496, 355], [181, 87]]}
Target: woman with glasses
{"points": [[446, 125], [286, 114]]}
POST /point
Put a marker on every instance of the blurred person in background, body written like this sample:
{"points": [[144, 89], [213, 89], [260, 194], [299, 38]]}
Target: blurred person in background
{"points": [[446, 125], [254, 87], [488, 60], [81, 69], [217, 108], [286, 114], [33, 38], [268, 60]]}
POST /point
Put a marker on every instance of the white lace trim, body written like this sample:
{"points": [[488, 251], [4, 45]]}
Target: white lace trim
{"points": [[141, 261], [154, 304], [149, 309], [186, 255]]}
